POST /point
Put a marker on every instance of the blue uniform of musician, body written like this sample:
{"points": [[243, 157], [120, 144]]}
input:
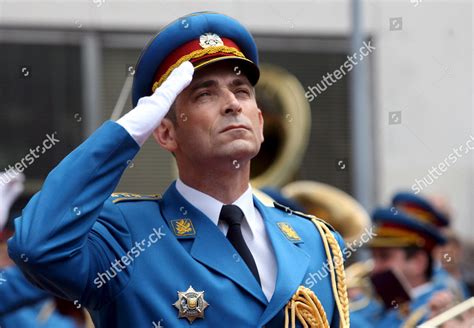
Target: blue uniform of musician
{"points": [[404, 243], [206, 252], [368, 315], [24, 305], [421, 208]]}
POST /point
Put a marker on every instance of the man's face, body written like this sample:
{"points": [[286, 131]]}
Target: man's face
{"points": [[395, 259], [218, 117], [388, 259]]}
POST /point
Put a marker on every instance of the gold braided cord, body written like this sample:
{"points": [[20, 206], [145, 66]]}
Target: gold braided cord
{"points": [[196, 54], [415, 317], [306, 306], [335, 262]]}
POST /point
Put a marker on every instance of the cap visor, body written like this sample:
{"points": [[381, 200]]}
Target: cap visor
{"points": [[247, 66]]}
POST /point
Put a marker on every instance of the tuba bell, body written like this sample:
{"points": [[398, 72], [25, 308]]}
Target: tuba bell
{"points": [[331, 204], [287, 117]]}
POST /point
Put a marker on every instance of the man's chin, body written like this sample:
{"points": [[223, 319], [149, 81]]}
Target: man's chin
{"points": [[240, 150]]}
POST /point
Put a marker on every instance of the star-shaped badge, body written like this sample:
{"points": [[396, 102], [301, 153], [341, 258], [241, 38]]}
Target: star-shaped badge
{"points": [[191, 304]]}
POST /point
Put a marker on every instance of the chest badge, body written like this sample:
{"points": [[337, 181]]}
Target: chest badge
{"points": [[289, 232], [183, 228], [191, 304]]}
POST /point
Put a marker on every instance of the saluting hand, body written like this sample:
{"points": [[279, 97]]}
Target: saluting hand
{"points": [[147, 115]]}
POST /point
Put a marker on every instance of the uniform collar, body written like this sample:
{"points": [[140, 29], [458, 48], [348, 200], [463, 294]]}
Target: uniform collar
{"points": [[421, 290], [211, 207], [208, 244]]}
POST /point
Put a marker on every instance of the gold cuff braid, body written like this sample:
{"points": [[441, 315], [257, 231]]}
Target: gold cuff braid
{"points": [[306, 306]]}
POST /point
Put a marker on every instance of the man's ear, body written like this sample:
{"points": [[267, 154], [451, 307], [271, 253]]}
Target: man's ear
{"points": [[165, 135], [260, 123]]}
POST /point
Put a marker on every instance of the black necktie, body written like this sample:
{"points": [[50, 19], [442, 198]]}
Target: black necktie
{"points": [[233, 216]]}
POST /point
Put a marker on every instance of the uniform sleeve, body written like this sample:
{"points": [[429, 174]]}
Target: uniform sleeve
{"points": [[16, 291], [66, 235]]}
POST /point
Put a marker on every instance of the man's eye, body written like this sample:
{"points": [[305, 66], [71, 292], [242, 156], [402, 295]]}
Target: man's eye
{"points": [[203, 94], [243, 91]]}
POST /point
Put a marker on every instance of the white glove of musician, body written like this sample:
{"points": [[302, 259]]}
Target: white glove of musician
{"points": [[9, 192], [141, 121]]}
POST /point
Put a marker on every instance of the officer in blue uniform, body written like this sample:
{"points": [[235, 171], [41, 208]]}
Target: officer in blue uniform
{"points": [[404, 242], [206, 252]]}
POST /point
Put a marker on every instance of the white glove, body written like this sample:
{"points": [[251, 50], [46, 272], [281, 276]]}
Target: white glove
{"points": [[9, 192], [141, 121]]}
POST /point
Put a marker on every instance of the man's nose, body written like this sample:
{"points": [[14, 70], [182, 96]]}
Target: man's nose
{"points": [[231, 103]]}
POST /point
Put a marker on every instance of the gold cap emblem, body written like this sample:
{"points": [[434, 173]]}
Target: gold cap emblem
{"points": [[210, 40]]}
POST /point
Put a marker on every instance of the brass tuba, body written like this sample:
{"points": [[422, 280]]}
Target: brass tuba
{"points": [[349, 218], [287, 117], [331, 204]]}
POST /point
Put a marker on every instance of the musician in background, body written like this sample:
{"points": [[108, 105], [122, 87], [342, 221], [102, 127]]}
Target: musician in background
{"points": [[404, 245], [22, 304]]}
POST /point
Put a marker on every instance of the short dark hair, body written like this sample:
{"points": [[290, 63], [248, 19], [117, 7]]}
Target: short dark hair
{"points": [[171, 115], [411, 251]]}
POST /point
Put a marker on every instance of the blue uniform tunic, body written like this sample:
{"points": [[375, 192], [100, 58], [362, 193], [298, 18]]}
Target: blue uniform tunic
{"points": [[126, 258]]}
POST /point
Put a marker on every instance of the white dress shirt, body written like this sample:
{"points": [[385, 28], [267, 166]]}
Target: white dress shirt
{"points": [[253, 230]]}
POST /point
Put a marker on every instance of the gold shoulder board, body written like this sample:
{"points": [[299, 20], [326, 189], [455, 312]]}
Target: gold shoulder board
{"points": [[124, 197], [301, 214]]}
